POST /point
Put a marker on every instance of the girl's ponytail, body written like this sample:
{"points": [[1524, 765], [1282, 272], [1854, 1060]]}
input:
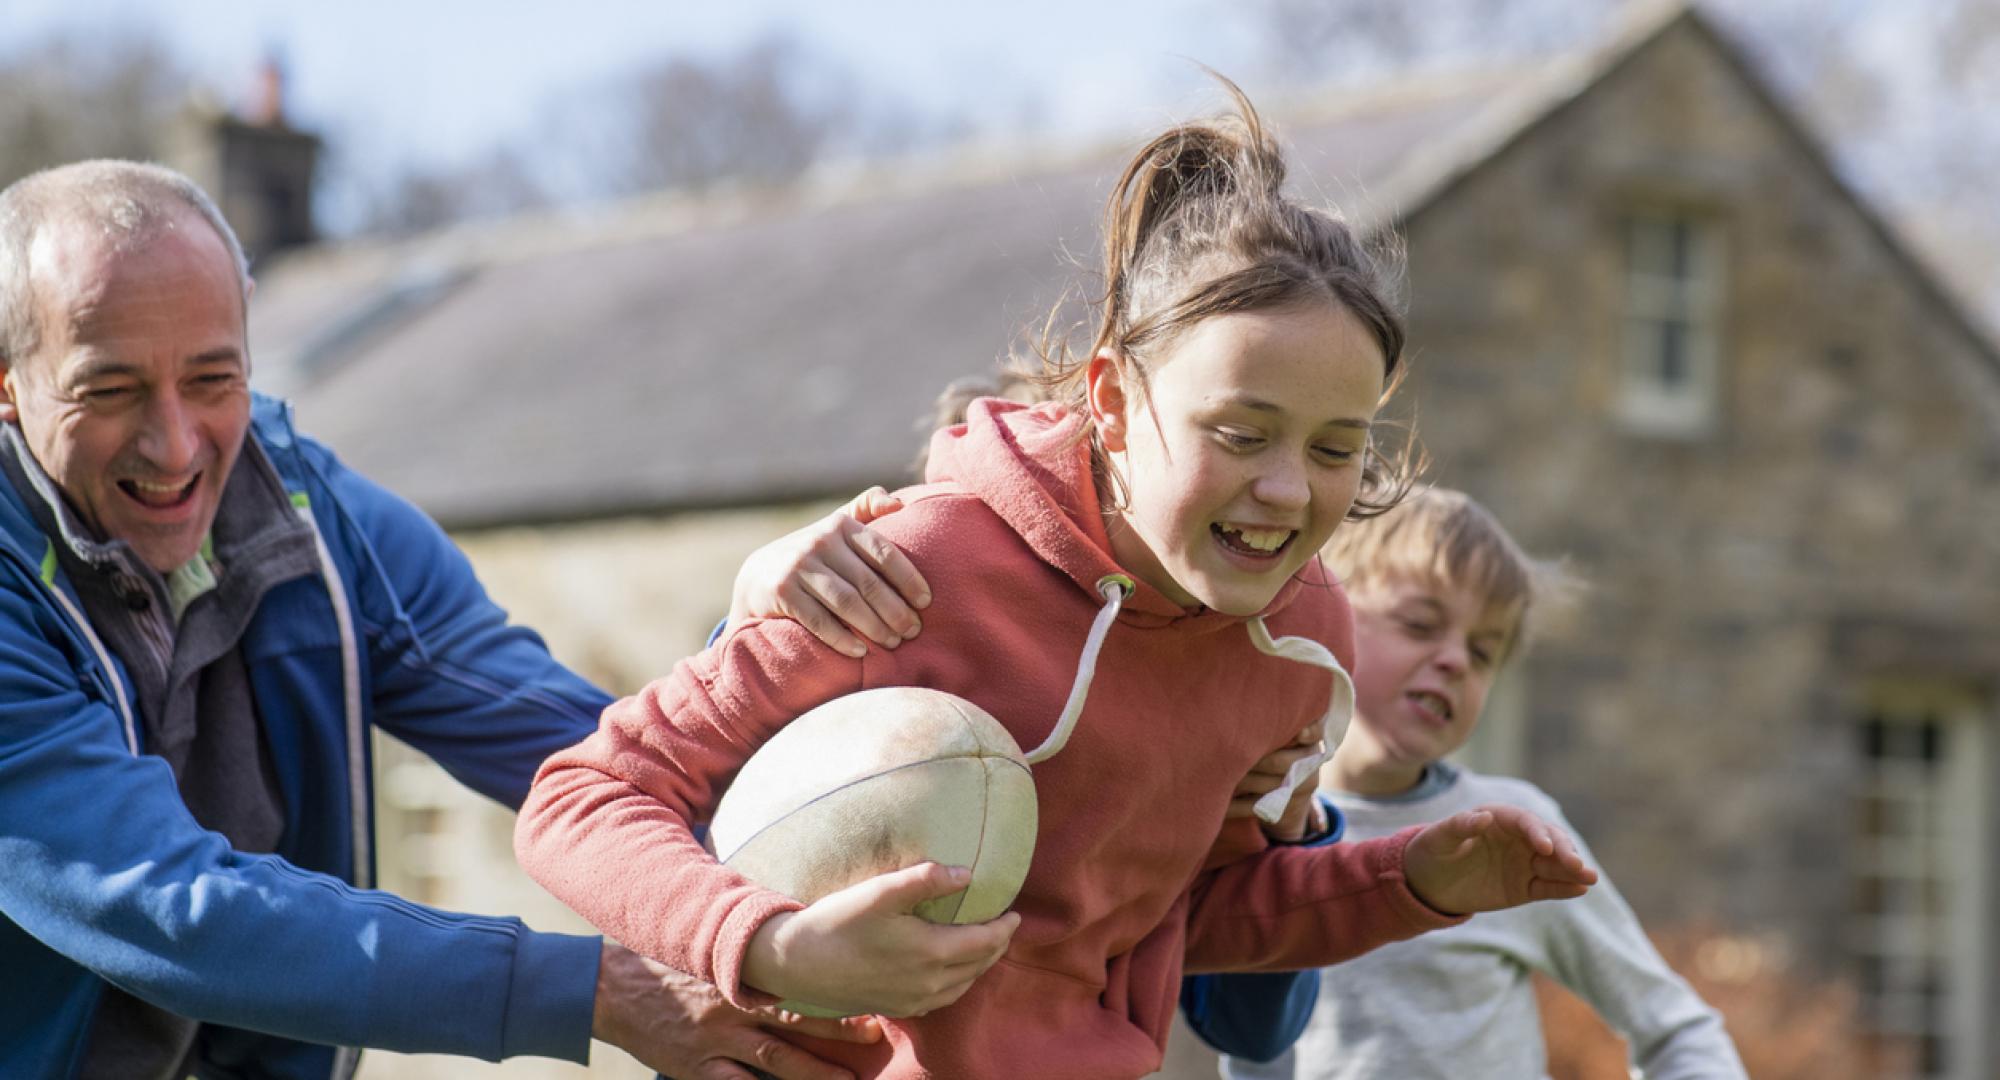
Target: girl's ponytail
{"points": [[1197, 226]]}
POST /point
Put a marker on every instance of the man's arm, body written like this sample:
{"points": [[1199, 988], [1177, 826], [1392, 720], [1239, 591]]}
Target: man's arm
{"points": [[106, 867], [447, 673]]}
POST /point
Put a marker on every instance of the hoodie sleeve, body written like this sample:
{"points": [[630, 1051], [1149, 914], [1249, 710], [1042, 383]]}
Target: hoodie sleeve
{"points": [[1298, 907], [607, 824]]}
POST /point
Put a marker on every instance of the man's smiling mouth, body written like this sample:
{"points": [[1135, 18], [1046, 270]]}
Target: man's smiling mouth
{"points": [[156, 496]]}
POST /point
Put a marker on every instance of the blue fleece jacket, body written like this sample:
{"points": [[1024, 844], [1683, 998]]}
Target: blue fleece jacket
{"points": [[105, 877]]}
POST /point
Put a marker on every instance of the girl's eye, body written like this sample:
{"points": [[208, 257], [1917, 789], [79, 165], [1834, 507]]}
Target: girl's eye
{"points": [[1237, 440], [1337, 455]]}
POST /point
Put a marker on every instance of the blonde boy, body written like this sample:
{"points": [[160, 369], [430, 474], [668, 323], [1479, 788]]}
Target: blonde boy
{"points": [[1442, 599]]}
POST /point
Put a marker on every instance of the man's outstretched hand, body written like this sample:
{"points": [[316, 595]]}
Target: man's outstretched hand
{"points": [[1491, 858], [682, 1027]]}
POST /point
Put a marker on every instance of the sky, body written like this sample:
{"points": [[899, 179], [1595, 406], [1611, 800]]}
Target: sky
{"points": [[441, 81]]}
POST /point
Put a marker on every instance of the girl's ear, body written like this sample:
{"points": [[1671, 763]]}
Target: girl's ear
{"points": [[1105, 381]]}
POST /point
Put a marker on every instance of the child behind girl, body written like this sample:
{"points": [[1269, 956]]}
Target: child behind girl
{"points": [[1442, 597], [1179, 485]]}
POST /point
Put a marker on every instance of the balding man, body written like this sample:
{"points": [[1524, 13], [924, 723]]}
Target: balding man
{"points": [[202, 614]]}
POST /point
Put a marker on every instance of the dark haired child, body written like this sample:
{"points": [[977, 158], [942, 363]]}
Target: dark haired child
{"points": [[1165, 508]]}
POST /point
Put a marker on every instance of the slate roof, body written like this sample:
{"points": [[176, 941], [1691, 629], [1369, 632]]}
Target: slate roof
{"points": [[750, 347]]}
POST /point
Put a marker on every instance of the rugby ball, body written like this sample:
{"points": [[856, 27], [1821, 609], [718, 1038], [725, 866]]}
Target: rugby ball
{"points": [[876, 781]]}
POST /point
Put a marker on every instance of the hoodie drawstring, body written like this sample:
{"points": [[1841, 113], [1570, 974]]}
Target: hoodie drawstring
{"points": [[1271, 805], [1339, 710], [1115, 588]]}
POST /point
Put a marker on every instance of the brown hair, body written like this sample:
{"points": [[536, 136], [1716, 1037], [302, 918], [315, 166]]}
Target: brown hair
{"points": [[1446, 537], [1197, 227]]}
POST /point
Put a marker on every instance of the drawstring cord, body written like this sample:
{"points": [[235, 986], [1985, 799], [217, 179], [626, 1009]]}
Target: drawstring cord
{"points": [[1339, 710], [1115, 588], [1271, 806]]}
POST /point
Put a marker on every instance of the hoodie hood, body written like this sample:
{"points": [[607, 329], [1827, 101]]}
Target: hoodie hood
{"points": [[1028, 464]]}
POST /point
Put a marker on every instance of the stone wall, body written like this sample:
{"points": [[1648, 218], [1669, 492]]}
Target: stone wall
{"points": [[1696, 715]]}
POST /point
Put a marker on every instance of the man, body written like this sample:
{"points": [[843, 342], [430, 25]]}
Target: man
{"points": [[201, 615]]}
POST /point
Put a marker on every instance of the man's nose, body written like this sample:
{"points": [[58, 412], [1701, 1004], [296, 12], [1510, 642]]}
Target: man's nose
{"points": [[171, 438]]}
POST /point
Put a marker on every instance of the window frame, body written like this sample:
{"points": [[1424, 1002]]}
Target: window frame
{"points": [[1683, 299]]}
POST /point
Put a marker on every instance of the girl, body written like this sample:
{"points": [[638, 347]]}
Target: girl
{"points": [[1180, 483]]}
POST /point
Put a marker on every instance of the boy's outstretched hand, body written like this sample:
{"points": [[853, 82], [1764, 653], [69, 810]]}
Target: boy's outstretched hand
{"points": [[1491, 858]]}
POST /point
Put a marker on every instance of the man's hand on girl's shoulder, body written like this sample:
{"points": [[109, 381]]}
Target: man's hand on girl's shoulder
{"points": [[837, 578]]}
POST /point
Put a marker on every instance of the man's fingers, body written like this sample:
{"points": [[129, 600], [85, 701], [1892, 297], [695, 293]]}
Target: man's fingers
{"points": [[781, 1059], [831, 583], [855, 592], [894, 566], [718, 1069], [804, 608], [871, 504]]}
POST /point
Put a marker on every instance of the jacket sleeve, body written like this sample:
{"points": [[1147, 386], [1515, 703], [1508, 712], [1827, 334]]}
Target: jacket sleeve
{"points": [[1297, 907], [105, 866], [448, 674], [1256, 1016], [607, 827], [1250, 1016], [1598, 950]]}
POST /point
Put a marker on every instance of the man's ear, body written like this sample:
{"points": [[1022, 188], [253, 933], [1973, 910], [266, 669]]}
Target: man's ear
{"points": [[1104, 380], [9, 414]]}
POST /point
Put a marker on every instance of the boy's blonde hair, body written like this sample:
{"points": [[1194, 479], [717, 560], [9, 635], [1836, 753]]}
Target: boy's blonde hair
{"points": [[1443, 536]]}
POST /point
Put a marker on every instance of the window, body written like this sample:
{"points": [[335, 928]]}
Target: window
{"points": [[1668, 382], [1920, 881]]}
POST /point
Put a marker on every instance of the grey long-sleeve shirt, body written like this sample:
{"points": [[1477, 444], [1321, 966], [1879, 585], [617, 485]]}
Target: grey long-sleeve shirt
{"points": [[1458, 1004]]}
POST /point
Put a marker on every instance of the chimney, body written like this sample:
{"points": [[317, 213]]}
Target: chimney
{"points": [[255, 164]]}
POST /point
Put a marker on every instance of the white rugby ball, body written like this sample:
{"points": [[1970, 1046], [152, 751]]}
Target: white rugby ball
{"points": [[876, 781]]}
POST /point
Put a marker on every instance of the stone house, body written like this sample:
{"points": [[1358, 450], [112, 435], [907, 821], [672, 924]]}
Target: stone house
{"points": [[1653, 328]]}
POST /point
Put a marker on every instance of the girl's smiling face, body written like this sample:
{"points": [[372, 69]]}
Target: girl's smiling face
{"points": [[1242, 452]]}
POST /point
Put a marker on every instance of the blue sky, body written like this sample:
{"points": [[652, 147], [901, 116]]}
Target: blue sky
{"points": [[439, 78], [393, 83]]}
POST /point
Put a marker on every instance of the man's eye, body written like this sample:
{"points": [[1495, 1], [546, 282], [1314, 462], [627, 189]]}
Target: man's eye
{"points": [[105, 395]]}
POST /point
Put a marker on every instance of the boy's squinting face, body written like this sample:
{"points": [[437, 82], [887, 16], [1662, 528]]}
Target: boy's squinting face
{"points": [[1243, 453], [1425, 656]]}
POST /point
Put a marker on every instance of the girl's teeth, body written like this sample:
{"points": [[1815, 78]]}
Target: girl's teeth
{"points": [[1266, 540]]}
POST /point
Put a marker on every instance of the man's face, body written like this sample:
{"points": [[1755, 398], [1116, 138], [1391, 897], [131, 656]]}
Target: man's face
{"points": [[136, 399]]}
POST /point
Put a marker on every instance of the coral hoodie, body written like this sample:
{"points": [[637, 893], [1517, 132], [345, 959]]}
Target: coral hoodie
{"points": [[1121, 892]]}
